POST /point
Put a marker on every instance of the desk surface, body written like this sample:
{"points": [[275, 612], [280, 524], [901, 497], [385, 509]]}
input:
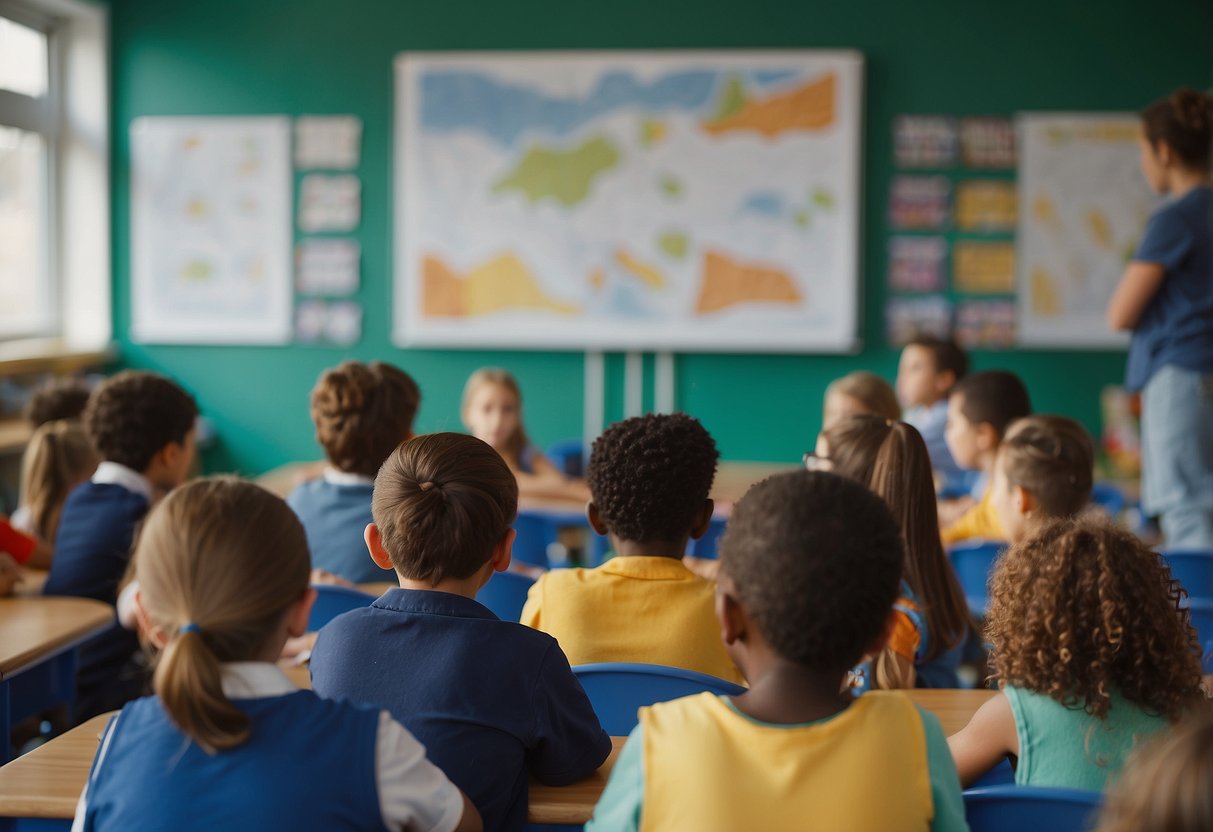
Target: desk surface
{"points": [[33, 629], [46, 783]]}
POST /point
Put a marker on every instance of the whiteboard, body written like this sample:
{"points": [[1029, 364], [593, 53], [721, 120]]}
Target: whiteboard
{"points": [[628, 200], [1083, 206], [211, 230]]}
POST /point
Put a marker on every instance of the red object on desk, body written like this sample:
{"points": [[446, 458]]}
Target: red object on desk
{"points": [[16, 543]]}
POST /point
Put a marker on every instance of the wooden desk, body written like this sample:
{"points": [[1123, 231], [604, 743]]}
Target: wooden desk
{"points": [[38, 641], [46, 783]]}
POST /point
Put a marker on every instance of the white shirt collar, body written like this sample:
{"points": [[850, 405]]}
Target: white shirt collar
{"points": [[254, 680], [130, 479], [335, 477]]}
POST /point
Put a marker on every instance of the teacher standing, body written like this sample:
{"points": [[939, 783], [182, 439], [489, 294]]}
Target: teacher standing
{"points": [[1166, 298]]}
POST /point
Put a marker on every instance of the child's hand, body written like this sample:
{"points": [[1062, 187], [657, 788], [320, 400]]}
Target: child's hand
{"points": [[299, 648], [323, 576], [10, 574]]}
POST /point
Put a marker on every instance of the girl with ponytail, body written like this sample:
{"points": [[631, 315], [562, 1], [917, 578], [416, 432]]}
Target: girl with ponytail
{"points": [[1166, 299], [227, 741]]}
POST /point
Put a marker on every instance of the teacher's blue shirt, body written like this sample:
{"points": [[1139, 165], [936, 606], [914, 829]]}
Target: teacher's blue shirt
{"points": [[1177, 325]]}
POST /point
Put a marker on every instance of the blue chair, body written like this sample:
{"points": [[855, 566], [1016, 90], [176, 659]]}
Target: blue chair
{"points": [[617, 689], [974, 562], [1193, 568], [505, 593], [1201, 610], [568, 455], [332, 601], [708, 546], [1017, 808], [1108, 497], [534, 533]]}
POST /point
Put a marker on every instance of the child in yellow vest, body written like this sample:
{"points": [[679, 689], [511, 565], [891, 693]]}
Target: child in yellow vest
{"points": [[811, 565]]}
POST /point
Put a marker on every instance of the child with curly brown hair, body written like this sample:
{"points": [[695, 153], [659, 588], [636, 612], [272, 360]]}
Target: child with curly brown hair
{"points": [[361, 412], [1093, 653]]}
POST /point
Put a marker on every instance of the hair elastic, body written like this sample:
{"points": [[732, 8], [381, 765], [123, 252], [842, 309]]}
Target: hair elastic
{"points": [[189, 627]]}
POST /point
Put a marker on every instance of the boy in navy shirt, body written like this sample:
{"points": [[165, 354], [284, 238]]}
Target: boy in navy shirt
{"points": [[142, 425], [491, 700]]}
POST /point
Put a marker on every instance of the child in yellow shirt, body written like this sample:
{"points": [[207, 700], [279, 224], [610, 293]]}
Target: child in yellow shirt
{"points": [[810, 568], [980, 408], [649, 478]]}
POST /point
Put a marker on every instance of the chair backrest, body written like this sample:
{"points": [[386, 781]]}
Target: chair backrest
{"points": [[617, 689], [505, 593], [1108, 497], [1019, 808], [568, 455], [708, 546], [1201, 610], [534, 533], [1193, 568], [974, 562], [332, 601]]}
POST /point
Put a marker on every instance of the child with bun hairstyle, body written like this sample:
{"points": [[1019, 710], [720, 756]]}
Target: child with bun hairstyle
{"points": [[1165, 300], [931, 617], [361, 412], [227, 742], [1093, 653]]}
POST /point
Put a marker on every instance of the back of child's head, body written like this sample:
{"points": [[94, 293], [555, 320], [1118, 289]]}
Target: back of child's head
{"points": [[1053, 458], [650, 475], [994, 397], [815, 559], [441, 503], [59, 456], [1165, 786], [1184, 121], [516, 443], [1082, 610], [891, 459], [946, 355], [134, 414], [57, 399], [362, 412], [219, 562], [871, 393]]}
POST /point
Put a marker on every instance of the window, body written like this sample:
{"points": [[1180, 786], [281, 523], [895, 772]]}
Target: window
{"points": [[54, 173]]}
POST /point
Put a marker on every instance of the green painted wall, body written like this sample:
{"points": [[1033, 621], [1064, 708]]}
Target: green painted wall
{"points": [[310, 56]]}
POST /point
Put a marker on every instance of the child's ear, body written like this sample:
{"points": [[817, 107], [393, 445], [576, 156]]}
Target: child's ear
{"points": [[299, 612], [703, 520], [987, 437], [734, 623], [1025, 501], [596, 523], [154, 634], [944, 382], [503, 551], [374, 545]]}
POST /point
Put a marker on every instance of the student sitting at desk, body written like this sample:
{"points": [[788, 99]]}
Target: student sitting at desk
{"points": [[142, 424], [810, 567], [228, 742], [361, 412], [492, 701], [650, 477]]}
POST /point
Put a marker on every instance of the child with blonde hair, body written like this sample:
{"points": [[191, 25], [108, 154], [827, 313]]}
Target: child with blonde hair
{"points": [[859, 394], [492, 411], [1093, 653], [60, 456], [227, 741]]}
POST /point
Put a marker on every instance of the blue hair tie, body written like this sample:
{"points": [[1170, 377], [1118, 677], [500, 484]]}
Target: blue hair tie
{"points": [[190, 627]]}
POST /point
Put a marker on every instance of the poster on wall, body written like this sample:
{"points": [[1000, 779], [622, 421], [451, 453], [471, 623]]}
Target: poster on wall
{"points": [[1083, 206], [645, 200], [211, 230]]}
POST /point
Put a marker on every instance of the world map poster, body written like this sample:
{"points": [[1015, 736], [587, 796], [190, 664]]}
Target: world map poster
{"points": [[638, 200]]}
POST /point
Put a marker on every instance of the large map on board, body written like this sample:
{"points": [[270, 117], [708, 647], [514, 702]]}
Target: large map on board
{"points": [[1083, 207], [699, 201], [211, 235]]}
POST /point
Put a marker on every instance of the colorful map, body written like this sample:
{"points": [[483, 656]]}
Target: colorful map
{"points": [[699, 201], [1087, 203]]}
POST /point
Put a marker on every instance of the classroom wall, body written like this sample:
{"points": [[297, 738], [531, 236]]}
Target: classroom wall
{"points": [[292, 57]]}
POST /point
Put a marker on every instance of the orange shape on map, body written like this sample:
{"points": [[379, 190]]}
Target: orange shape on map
{"points": [[727, 282], [810, 107], [501, 283]]}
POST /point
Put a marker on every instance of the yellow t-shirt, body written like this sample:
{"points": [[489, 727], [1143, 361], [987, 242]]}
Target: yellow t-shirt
{"points": [[632, 609], [709, 768], [978, 523]]}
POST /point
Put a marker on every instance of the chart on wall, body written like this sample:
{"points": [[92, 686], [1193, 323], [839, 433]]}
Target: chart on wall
{"points": [[211, 230], [632, 200], [1083, 207]]}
